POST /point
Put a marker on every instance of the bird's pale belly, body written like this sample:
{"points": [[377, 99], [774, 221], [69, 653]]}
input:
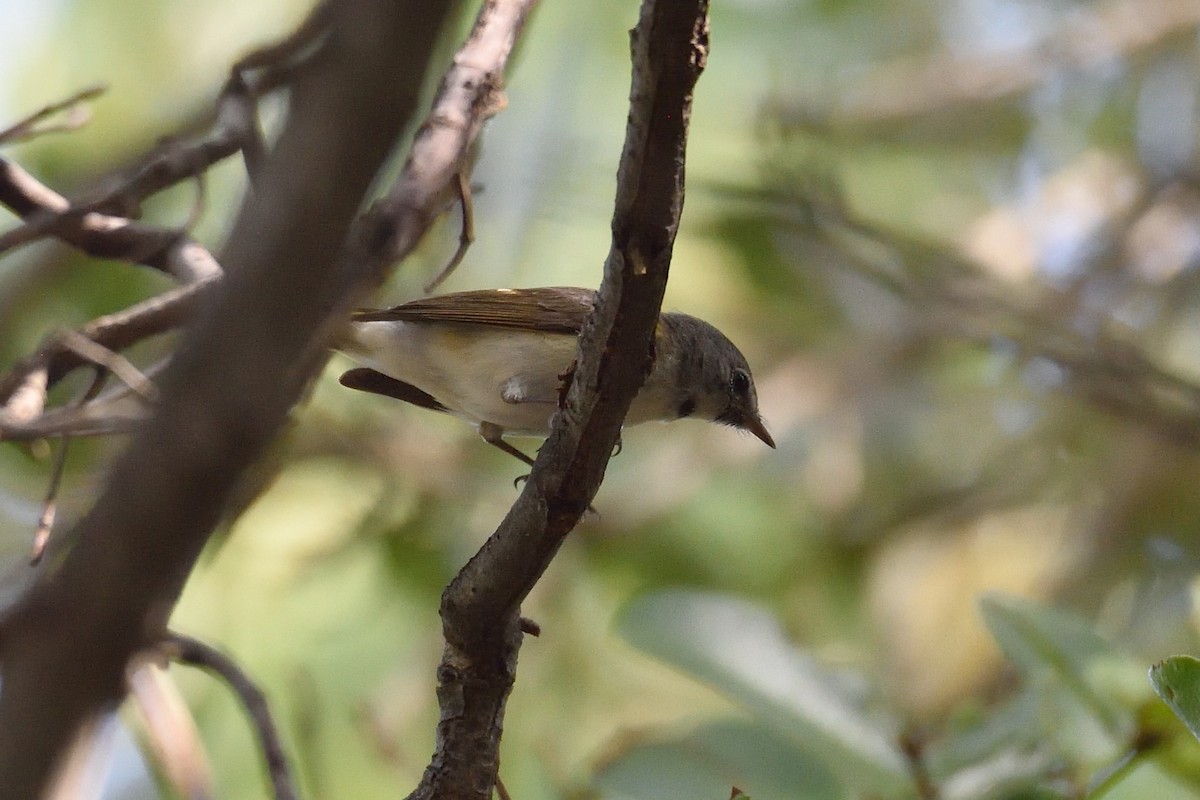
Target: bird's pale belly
{"points": [[509, 378]]}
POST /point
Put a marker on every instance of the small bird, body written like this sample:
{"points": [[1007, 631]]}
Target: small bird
{"points": [[497, 358]]}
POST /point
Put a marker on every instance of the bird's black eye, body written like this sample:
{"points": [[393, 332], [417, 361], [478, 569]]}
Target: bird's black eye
{"points": [[687, 408], [740, 381]]}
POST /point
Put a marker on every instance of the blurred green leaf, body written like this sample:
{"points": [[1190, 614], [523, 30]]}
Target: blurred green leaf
{"points": [[980, 736], [1177, 681], [740, 650], [1069, 665], [710, 760], [1038, 638]]}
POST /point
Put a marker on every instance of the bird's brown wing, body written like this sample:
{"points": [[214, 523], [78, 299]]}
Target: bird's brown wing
{"points": [[555, 309]]}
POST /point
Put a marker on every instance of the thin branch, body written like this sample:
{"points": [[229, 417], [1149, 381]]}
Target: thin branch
{"points": [[466, 234], [41, 535], [278, 55], [32, 126], [236, 127], [45, 524], [119, 410], [236, 130], [480, 608], [99, 418], [195, 653], [471, 93], [24, 392], [97, 234], [110, 236]]}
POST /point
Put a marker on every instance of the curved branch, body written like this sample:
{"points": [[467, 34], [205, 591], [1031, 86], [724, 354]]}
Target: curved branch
{"points": [[195, 653]]}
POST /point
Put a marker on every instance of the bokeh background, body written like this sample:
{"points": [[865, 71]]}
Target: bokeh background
{"points": [[957, 240]]}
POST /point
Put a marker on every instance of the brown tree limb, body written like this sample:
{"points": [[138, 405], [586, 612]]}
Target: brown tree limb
{"points": [[23, 388], [101, 227], [236, 130], [471, 92], [105, 416], [480, 608], [45, 523], [107, 592]]}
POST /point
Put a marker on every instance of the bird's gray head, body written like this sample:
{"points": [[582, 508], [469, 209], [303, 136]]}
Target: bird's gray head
{"points": [[711, 377]]}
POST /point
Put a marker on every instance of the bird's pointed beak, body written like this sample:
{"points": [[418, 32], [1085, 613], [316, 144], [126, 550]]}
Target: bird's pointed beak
{"points": [[755, 425]]}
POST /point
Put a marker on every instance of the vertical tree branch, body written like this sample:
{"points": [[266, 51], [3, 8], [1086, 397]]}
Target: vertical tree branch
{"points": [[480, 607]]}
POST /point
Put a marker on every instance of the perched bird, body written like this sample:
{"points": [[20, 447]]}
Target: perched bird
{"points": [[497, 359]]}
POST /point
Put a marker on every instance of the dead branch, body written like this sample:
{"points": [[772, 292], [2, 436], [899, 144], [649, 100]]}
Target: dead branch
{"points": [[235, 129]]}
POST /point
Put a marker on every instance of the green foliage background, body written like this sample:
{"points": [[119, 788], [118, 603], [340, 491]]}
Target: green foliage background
{"points": [[922, 463]]}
